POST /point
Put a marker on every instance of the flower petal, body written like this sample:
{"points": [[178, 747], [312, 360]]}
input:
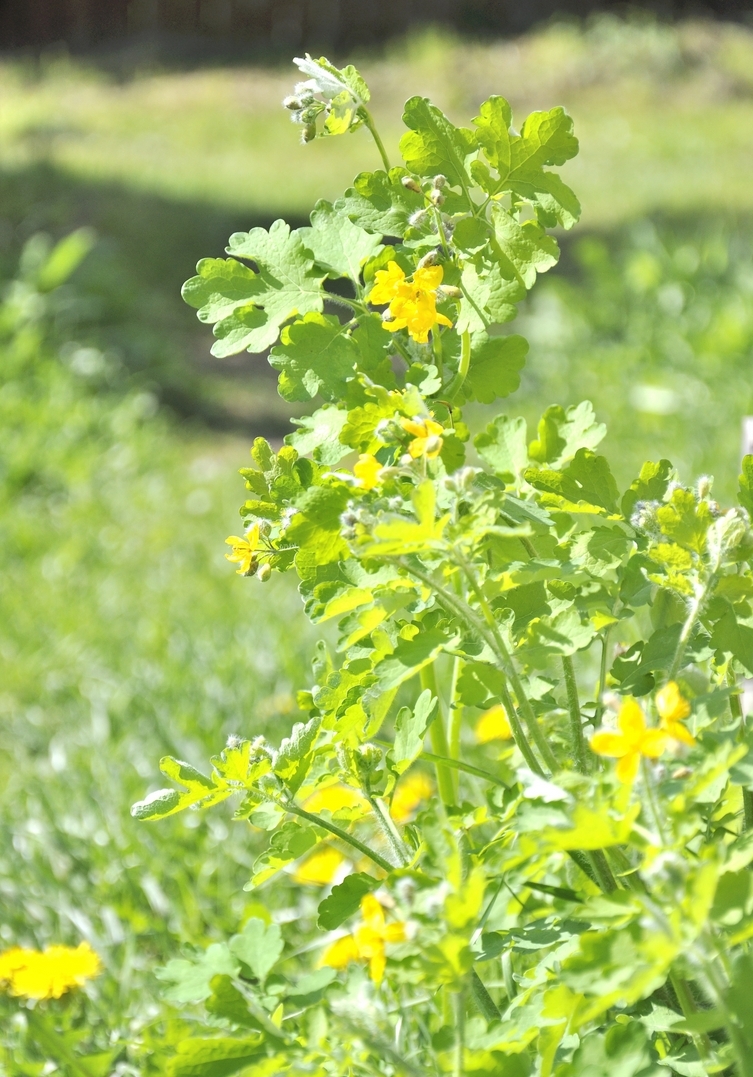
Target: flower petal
{"points": [[632, 720], [671, 704], [627, 768], [605, 742]]}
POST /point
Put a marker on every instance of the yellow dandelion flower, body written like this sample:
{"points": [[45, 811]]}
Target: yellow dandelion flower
{"points": [[334, 798], [48, 974], [368, 941], [244, 551], [426, 437], [367, 470], [412, 303], [412, 791], [493, 725], [673, 708], [634, 739], [319, 869]]}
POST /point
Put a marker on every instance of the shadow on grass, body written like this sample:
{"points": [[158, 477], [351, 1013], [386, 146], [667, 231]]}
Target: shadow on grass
{"points": [[147, 246]]}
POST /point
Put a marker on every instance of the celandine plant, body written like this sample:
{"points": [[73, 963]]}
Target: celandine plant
{"points": [[576, 898]]}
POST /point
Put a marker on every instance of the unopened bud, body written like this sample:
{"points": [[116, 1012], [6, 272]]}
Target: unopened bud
{"points": [[368, 758], [233, 741], [387, 315], [704, 485], [308, 134], [448, 291], [439, 181], [264, 573], [410, 184], [406, 459], [430, 259], [433, 444], [293, 103], [418, 219], [436, 197]]}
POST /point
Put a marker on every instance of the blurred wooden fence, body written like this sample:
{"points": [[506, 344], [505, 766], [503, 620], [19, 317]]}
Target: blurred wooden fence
{"points": [[285, 24]]}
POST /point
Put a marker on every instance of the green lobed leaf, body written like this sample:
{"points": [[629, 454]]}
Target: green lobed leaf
{"points": [[433, 144], [319, 434], [219, 1056], [315, 357], [495, 366], [345, 900], [258, 946], [286, 285], [410, 730], [503, 446], [337, 243], [651, 485], [561, 433], [378, 202]]}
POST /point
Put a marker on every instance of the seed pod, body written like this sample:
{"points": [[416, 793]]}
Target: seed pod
{"points": [[411, 185]]}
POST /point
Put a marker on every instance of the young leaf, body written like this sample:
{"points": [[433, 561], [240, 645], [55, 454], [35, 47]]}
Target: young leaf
{"points": [[219, 1056], [434, 145], [410, 730], [200, 790], [258, 946], [527, 245], [562, 433], [345, 900], [651, 485], [190, 980], [319, 434]]}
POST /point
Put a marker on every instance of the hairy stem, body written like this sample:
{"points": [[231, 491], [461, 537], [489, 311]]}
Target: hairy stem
{"points": [[368, 119], [580, 755], [438, 737], [390, 831], [736, 708], [600, 705], [483, 999], [508, 667], [456, 710], [317, 820], [694, 612], [461, 609]]}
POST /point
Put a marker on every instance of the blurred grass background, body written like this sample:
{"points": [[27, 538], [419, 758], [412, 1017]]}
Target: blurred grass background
{"points": [[124, 634]]}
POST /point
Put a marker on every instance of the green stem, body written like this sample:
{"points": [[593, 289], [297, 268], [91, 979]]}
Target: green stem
{"points": [[736, 710], [436, 347], [458, 1069], [457, 764], [456, 710], [600, 705], [438, 737], [648, 783], [368, 119], [508, 668], [390, 831], [580, 755], [461, 609], [317, 820], [455, 384], [694, 612], [483, 999]]}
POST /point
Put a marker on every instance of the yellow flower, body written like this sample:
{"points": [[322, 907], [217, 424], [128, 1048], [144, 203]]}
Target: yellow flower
{"points": [[493, 725], [426, 437], [409, 794], [48, 974], [673, 708], [368, 941], [333, 798], [412, 304], [633, 740], [367, 470], [244, 550], [321, 868]]}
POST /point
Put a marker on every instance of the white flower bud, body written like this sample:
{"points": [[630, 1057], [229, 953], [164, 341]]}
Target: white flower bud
{"points": [[439, 181], [264, 573], [410, 184]]}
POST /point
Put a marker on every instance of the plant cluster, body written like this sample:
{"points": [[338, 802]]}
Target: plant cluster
{"points": [[548, 911]]}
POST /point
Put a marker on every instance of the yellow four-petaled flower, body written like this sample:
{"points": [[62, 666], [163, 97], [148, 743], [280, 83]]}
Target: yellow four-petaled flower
{"points": [[635, 739], [412, 303], [49, 973], [244, 550], [426, 437], [368, 941]]}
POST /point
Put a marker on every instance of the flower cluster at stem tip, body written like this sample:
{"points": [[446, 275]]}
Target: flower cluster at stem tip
{"points": [[634, 739], [48, 973], [412, 303]]}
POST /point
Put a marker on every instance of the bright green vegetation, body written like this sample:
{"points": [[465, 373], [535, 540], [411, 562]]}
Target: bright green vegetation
{"points": [[664, 116], [124, 634]]}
